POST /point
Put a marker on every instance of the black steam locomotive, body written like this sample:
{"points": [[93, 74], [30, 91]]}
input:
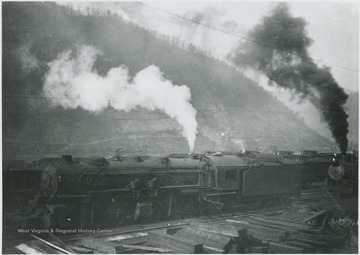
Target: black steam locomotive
{"points": [[68, 190]]}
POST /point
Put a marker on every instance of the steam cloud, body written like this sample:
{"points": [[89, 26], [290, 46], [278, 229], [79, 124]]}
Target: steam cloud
{"points": [[285, 61], [71, 83]]}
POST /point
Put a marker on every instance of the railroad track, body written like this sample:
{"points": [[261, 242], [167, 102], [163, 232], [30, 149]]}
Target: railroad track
{"points": [[279, 230]]}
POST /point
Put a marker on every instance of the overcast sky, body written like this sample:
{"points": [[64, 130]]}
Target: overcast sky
{"points": [[334, 27]]}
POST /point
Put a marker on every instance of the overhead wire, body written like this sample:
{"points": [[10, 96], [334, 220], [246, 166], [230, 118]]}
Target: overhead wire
{"points": [[243, 37]]}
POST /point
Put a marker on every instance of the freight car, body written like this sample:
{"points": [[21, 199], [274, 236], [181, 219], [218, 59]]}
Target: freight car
{"points": [[68, 190]]}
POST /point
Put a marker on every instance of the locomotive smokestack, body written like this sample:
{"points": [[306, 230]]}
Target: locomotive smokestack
{"points": [[283, 57], [73, 82]]}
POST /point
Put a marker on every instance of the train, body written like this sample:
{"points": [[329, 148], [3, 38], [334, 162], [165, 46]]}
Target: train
{"points": [[83, 191]]}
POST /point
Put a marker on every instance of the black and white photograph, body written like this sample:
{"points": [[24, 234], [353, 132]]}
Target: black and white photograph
{"points": [[180, 127]]}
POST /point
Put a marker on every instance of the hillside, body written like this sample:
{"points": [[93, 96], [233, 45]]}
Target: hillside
{"points": [[232, 111]]}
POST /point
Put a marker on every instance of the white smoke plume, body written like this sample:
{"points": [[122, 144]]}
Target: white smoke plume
{"points": [[72, 82], [301, 107]]}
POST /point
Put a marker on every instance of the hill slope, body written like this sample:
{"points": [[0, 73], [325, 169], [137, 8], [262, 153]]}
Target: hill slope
{"points": [[232, 111]]}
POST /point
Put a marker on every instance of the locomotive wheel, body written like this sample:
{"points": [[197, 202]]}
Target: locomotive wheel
{"points": [[163, 207], [112, 212], [169, 206], [116, 213], [49, 182], [185, 207]]}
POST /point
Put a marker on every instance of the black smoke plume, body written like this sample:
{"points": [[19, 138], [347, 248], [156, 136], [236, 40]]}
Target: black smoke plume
{"points": [[279, 50]]}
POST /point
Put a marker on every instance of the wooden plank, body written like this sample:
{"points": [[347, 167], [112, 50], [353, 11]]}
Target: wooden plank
{"points": [[259, 249], [81, 250], [161, 239], [147, 248], [212, 250], [177, 248], [283, 248], [309, 241], [264, 233], [294, 216], [97, 252], [313, 237], [43, 247], [274, 213], [308, 247], [286, 219], [287, 227], [55, 247], [125, 236], [25, 248], [205, 237], [323, 223], [133, 241], [295, 225], [228, 231], [314, 216], [270, 225], [178, 244], [325, 238], [267, 230], [134, 238], [60, 243], [102, 246], [232, 230]]}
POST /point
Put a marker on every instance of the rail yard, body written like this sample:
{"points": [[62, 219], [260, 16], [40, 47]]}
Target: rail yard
{"points": [[306, 225], [134, 127], [211, 203]]}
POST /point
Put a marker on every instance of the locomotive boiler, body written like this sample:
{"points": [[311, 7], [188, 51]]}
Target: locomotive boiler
{"points": [[85, 191], [117, 187]]}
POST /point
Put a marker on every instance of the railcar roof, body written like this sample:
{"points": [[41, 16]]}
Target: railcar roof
{"points": [[143, 162], [264, 156], [184, 163], [226, 160], [151, 162], [157, 162]]}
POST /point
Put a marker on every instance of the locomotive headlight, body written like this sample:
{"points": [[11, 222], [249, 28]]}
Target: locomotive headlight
{"points": [[335, 160], [336, 173]]}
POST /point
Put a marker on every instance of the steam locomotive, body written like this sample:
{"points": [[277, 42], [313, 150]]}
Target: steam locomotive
{"points": [[82, 191]]}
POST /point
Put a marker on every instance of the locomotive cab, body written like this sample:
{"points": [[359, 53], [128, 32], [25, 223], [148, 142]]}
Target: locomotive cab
{"points": [[227, 173], [252, 177]]}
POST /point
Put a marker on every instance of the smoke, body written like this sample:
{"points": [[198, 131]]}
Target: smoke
{"points": [[303, 108], [285, 61], [209, 40], [72, 82], [29, 62]]}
